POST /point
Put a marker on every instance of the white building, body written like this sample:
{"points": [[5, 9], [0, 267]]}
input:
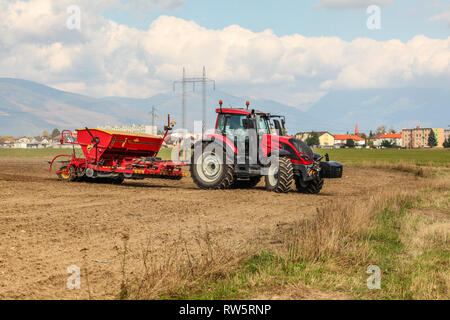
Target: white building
{"points": [[393, 138], [341, 140], [21, 143]]}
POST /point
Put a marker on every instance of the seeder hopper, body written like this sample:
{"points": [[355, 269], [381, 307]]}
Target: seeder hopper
{"points": [[112, 156]]}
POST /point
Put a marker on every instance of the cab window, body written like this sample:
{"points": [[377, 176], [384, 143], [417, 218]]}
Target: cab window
{"points": [[234, 122], [262, 126]]}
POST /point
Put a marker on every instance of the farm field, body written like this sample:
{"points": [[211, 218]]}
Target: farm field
{"points": [[168, 239], [417, 156]]}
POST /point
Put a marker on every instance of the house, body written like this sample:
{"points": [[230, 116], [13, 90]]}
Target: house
{"points": [[38, 143], [326, 139], [418, 137], [7, 142], [446, 135], [21, 142], [341, 140], [394, 138]]}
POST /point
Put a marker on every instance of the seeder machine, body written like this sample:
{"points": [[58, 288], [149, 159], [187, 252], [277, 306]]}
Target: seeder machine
{"points": [[112, 156]]}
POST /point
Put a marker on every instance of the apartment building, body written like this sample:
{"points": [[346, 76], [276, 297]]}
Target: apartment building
{"points": [[418, 137]]}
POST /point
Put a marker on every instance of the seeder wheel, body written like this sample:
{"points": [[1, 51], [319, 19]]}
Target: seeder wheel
{"points": [[67, 173]]}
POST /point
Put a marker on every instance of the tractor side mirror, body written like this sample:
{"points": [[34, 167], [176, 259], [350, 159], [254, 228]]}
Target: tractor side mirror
{"points": [[249, 123]]}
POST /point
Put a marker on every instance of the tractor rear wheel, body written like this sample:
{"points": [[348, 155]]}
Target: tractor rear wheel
{"points": [[210, 170], [280, 177], [246, 184], [67, 174], [309, 187]]}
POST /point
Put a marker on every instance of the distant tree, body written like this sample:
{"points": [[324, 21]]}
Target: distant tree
{"points": [[447, 143], [350, 143], [55, 133], [392, 130], [381, 130], [45, 133], [371, 135], [6, 138], [432, 142], [313, 139], [387, 144]]}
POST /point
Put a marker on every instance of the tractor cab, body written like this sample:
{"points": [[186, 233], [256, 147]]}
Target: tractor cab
{"points": [[236, 121]]}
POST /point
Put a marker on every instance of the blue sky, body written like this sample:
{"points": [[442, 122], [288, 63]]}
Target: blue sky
{"points": [[402, 19]]}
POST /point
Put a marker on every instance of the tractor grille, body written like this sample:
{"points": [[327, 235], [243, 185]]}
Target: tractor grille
{"points": [[302, 147]]}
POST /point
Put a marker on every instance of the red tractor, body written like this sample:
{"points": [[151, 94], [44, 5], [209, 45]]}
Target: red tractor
{"points": [[242, 149]]}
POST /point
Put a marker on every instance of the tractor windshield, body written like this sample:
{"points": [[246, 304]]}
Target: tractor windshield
{"points": [[234, 124], [230, 123]]}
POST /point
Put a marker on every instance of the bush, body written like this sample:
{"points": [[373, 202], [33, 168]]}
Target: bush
{"points": [[388, 144], [447, 143]]}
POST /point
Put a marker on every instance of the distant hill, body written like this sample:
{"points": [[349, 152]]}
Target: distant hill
{"points": [[27, 108], [404, 107]]}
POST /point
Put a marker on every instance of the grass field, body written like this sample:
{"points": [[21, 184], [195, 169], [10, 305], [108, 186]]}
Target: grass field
{"points": [[36, 153], [418, 157], [50, 153]]}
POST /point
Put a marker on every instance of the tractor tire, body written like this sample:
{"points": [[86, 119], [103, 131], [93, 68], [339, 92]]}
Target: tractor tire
{"points": [[309, 187], [67, 174], [246, 184], [280, 180], [210, 172]]}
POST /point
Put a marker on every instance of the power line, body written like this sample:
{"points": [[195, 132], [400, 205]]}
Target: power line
{"points": [[204, 81], [154, 115]]}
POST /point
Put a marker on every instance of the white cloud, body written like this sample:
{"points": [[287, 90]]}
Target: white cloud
{"points": [[348, 4], [105, 58]]}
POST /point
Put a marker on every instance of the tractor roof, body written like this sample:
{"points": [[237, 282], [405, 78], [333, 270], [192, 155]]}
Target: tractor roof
{"points": [[238, 111]]}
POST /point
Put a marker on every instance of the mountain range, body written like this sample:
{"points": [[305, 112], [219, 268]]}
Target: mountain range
{"points": [[27, 108]]}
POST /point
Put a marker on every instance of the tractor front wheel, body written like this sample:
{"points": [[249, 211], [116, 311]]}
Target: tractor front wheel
{"points": [[309, 187], [280, 177], [209, 170], [67, 173]]}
